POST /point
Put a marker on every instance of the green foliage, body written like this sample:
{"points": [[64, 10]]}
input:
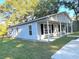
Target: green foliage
{"points": [[22, 8], [19, 9], [3, 30], [45, 7]]}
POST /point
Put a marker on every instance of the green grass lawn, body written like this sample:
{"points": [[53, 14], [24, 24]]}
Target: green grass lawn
{"points": [[20, 49]]}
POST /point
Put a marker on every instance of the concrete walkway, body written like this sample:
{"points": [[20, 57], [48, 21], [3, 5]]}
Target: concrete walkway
{"points": [[69, 51]]}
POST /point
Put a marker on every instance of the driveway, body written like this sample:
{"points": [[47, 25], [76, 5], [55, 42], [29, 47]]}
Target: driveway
{"points": [[69, 51]]}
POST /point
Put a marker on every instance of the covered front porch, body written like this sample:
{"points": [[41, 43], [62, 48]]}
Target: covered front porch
{"points": [[51, 30]]}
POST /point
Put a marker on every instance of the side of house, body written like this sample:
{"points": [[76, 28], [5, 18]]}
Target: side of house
{"points": [[26, 31]]}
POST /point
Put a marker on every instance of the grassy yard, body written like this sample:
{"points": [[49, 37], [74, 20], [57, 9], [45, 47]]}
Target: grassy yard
{"points": [[20, 49]]}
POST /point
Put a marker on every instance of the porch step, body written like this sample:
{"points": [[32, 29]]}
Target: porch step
{"points": [[47, 40]]}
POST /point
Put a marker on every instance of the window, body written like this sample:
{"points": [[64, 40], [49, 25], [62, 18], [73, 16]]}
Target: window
{"points": [[30, 30], [42, 29], [17, 29], [59, 28], [52, 28], [46, 30]]}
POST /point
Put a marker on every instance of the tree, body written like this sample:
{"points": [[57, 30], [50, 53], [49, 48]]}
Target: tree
{"points": [[3, 29], [22, 8], [75, 6], [19, 9], [46, 7]]}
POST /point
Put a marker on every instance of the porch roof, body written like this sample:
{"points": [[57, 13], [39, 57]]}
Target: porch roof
{"points": [[63, 18], [59, 17]]}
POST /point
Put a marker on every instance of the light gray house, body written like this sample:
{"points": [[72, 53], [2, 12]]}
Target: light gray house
{"points": [[44, 28]]}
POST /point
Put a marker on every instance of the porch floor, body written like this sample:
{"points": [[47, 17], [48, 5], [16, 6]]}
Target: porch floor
{"points": [[51, 38]]}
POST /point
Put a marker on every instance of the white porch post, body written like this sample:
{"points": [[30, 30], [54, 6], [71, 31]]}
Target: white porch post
{"points": [[48, 28], [67, 28], [60, 28], [72, 27]]}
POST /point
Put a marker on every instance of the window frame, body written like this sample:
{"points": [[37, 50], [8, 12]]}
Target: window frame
{"points": [[30, 29]]}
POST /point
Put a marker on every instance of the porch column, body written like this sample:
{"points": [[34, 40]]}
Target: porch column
{"points": [[48, 29], [60, 28], [67, 28], [72, 27]]}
